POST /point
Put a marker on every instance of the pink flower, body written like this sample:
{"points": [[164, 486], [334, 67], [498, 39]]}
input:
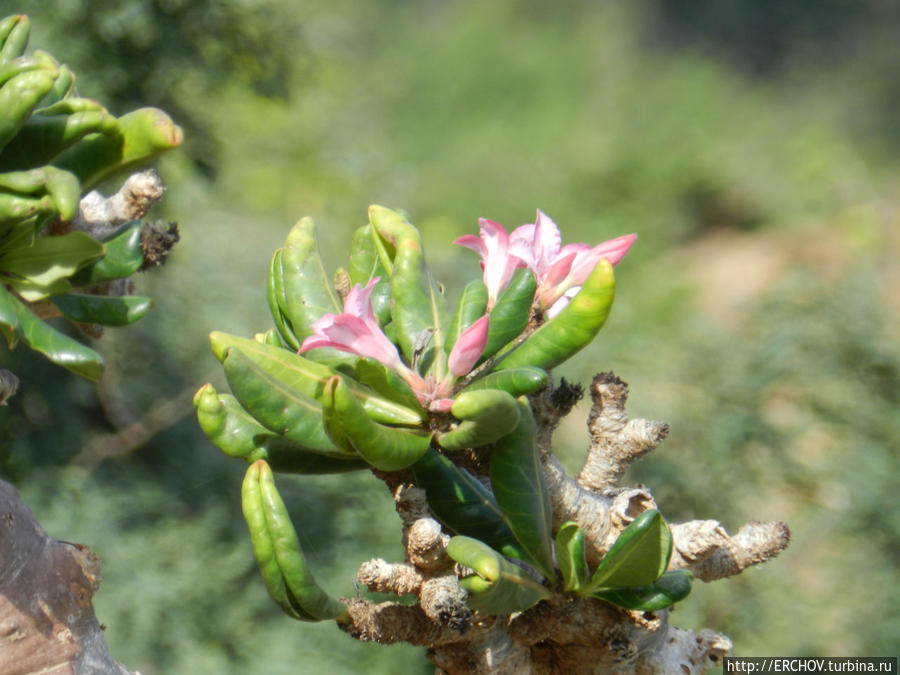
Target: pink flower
{"points": [[357, 331], [469, 347], [497, 262], [560, 271]]}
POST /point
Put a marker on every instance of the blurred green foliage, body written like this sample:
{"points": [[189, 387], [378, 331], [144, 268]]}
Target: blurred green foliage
{"points": [[757, 313]]}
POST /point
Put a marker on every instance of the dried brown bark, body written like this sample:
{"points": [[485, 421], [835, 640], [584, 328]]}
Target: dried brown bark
{"points": [[563, 634], [47, 621]]}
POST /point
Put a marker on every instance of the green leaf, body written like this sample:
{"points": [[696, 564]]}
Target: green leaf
{"points": [[50, 259], [123, 257], [520, 490], [486, 415], [639, 556], [105, 310], [509, 317], [309, 377], [365, 265], [276, 547], [471, 307], [236, 433], [463, 504], [500, 586], [19, 322], [572, 329], [385, 448], [665, 592], [385, 382], [308, 292], [418, 308], [515, 381], [570, 556], [277, 406]]}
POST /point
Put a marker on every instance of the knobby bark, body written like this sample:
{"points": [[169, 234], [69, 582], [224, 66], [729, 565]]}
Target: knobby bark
{"points": [[563, 634]]}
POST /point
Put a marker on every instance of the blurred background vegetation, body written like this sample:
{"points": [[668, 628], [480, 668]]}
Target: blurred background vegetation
{"points": [[754, 147]]}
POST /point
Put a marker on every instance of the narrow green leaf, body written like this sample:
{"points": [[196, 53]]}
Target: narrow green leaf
{"points": [[572, 329], [365, 265], [665, 592], [463, 504], [308, 292], [123, 257], [639, 556], [486, 414], [277, 549], [43, 338], [277, 301], [49, 259], [509, 317], [236, 433], [277, 406], [520, 490], [385, 382], [309, 377], [500, 586], [570, 556], [105, 310], [418, 308], [385, 448], [515, 381], [471, 306]]}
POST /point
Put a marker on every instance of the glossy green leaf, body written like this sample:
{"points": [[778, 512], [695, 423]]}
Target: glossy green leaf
{"points": [[639, 556], [276, 547], [20, 323], [144, 134], [19, 96], [236, 433], [309, 377], [123, 256], [48, 133], [572, 329], [570, 556], [278, 301], [50, 259], [307, 287], [418, 309], [385, 448], [105, 310], [277, 406], [14, 32], [518, 485], [486, 415], [665, 592], [365, 265], [471, 307], [515, 381], [509, 317], [385, 382], [463, 504], [498, 586]]}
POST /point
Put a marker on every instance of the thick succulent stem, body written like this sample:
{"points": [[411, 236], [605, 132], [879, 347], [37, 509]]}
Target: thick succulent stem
{"points": [[563, 634]]}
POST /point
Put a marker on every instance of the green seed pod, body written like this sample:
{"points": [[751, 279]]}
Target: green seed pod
{"points": [[486, 415], [572, 329]]}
